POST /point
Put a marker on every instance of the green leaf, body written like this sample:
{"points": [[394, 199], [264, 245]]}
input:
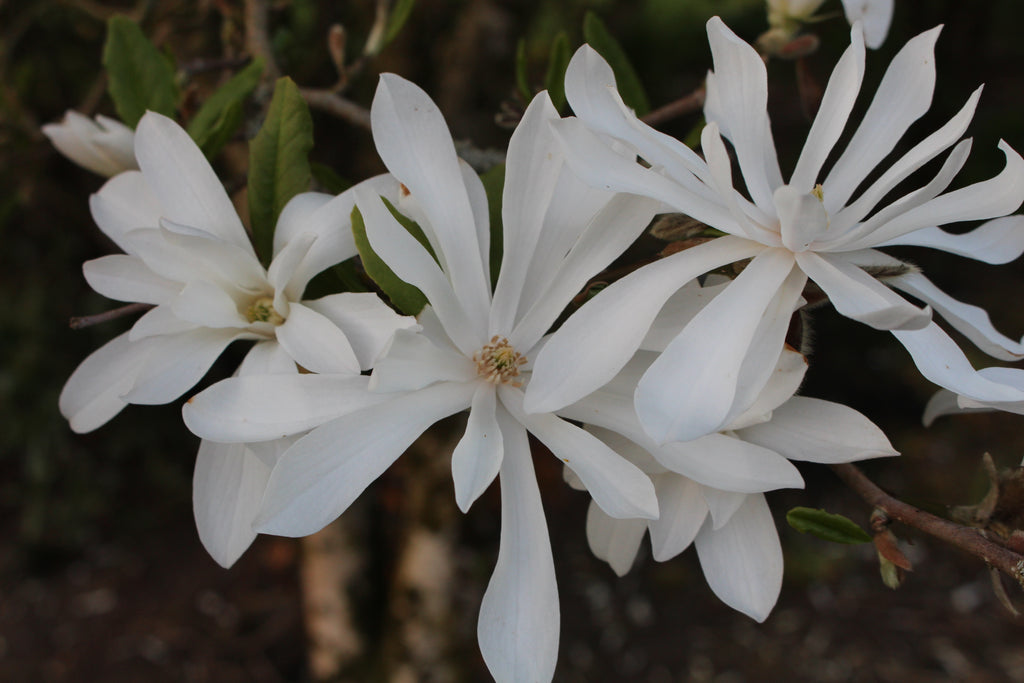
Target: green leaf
{"points": [[558, 62], [522, 79], [278, 162], [494, 185], [632, 91], [139, 76], [826, 526], [328, 179], [215, 123], [396, 20], [405, 297]]}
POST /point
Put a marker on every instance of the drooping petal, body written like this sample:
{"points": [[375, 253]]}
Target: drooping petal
{"points": [[742, 561], [691, 388], [1009, 377], [93, 394], [127, 278], [266, 407], [874, 15], [316, 343], [181, 178], [573, 363], [318, 478], [616, 541], [227, 487], [519, 615], [997, 241], [125, 203], [367, 322], [477, 457], [859, 296], [176, 363], [683, 512], [819, 431], [412, 361], [730, 464], [617, 485]]}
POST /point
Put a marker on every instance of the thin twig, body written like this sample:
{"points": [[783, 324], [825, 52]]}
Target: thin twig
{"points": [[965, 538], [332, 103], [79, 322], [257, 36], [682, 106]]}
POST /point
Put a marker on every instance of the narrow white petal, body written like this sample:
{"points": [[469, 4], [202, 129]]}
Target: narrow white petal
{"points": [[599, 339], [93, 394], [616, 541], [177, 363], [943, 402], [742, 561], [265, 407], [857, 295], [683, 512], [127, 278], [367, 322], [997, 241], [477, 457], [1009, 377], [282, 268], [729, 463], [519, 616], [205, 304], [617, 485], [158, 321], [875, 16], [752, 220], [318, 478], [316, 343], [180, 176], [227, 487], [125, 203], [412, 361], [691, 388], [819, 431]]}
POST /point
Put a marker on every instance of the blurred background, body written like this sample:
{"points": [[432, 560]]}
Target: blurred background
{"points": [[102, 576]]}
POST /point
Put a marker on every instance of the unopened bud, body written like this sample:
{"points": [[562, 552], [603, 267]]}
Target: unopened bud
{"points": [[336, 41]]}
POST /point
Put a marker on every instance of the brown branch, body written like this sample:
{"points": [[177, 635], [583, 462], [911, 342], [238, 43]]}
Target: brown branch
{"points": [[682, 106], [80, 322], [336, 105], [965, 538], [257, 36]]}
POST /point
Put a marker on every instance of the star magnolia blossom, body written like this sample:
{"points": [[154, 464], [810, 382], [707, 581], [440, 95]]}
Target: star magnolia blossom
{"points": [[792, 231], [104, 145], [874, 15], [187, 253], [710, 490], [474, 352]]}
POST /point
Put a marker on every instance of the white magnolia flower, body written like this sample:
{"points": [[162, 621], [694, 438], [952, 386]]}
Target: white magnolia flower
{"points": [[187, 253], [104, 145], [806, 228], [874, 15], [474, 352], [710, 490]]}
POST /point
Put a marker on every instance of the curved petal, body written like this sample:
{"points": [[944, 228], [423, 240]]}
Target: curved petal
{"points": [[785, 380], [997, 241], [819, 431], [267, 358], [754, 222], [177, 363], [159, 321], [205, 304], [477, 457], [722, 505], [316, 343], [227, 487], [125, 203], [94, 392], [283, 267], [683, 512], [266, 407], [184, 258], [367, 322], [103, 146], [571, 365], [519, 615], [411, 361], [318, 478], [730, 464], [802, 218], [127, 278], [616, 541], [874, 15], [742, 561]]}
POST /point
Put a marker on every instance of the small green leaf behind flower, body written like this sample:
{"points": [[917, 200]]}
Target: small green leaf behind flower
{"points": [[140, 77], [826, 526], [221, 114], [278, 163], [493, 180], [407, 298], [396, 20], [558, 62]]}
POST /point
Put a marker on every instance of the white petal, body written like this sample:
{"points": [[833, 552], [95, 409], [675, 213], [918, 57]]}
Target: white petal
{"points": [[367, 322], [617, 485], [267, 358], [159, 321], [875, 15], [616, 541], [93, 394], [177, 363], [519, 615], [477, 457], [1009, 377], [802, 217], [857, 295], [904, 94], [997, 241], [188, 190], [227, 487], [722, 505], [742, 561], [943, 402], [573, 363], [316, 343], [265, 407], [205, 304], [691, 388], [753, 221], [683, 512], [728, 463], [411, 361], [127, 278], [184, 258], [125, 203], [318, 478], [819, 431], [282, 269], [678, 311], [103, 146], [785, 380]]}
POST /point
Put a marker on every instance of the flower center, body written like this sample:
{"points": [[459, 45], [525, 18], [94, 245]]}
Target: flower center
{"points": [[498, 363], [262, 310]]}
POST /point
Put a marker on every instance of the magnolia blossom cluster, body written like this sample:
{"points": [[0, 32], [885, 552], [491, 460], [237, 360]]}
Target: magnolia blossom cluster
{"points": [[670, 396]]}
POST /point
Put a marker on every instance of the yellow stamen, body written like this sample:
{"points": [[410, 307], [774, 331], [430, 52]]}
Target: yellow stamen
{"points": [[498, 363], [262, 310]]}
